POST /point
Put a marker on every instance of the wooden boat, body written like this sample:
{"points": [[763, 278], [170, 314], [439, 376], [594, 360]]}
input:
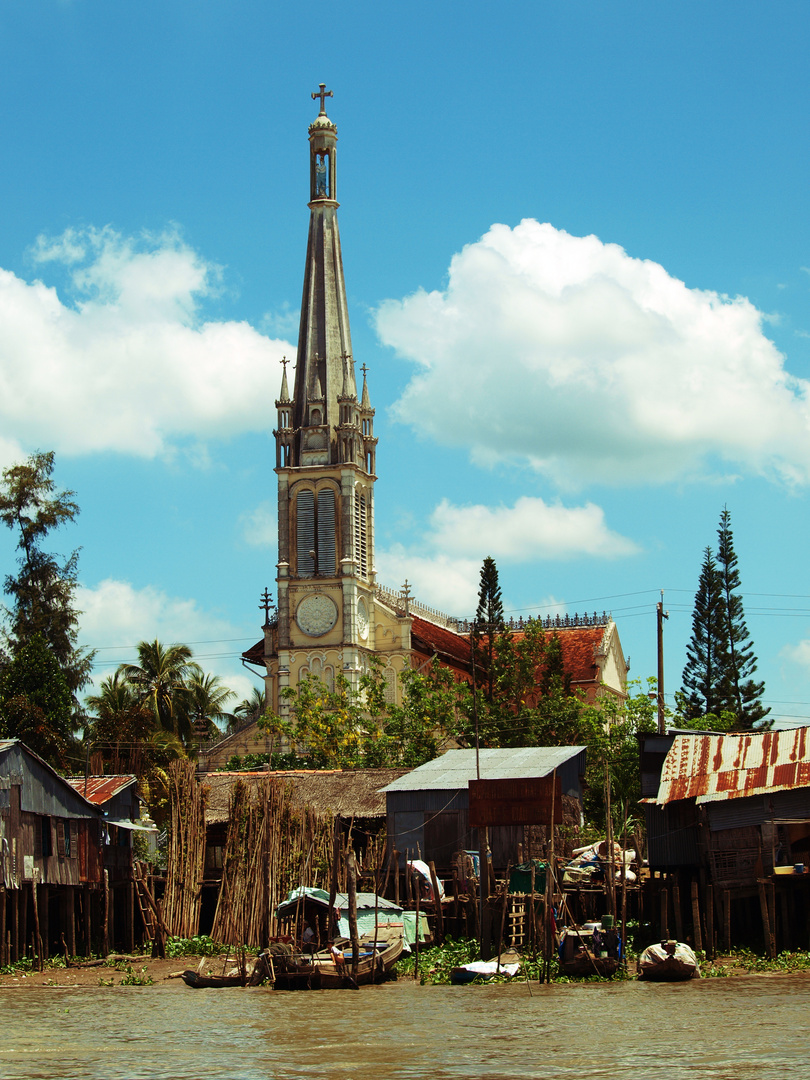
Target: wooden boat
{"points": [[375, 961], [216, 972], [508, 965], [583, 954], [671, 961]]}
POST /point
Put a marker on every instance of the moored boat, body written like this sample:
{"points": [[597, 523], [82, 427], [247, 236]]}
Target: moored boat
{"points": [[376, 958], [671, 961], [587, 952], [216, 972]]}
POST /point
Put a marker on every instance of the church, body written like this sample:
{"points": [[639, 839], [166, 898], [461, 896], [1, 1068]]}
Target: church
{"points": [[332, 616]]}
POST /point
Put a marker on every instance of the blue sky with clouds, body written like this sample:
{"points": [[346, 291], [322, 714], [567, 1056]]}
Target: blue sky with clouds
{"points": [[577, 255]]}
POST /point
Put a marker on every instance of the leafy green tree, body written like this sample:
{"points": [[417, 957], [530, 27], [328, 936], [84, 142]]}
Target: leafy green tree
{"points": [[36, 705], [161, 679], [43, 590], [743, 694]]}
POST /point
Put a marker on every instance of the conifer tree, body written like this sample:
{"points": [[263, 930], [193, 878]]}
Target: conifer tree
{"points": [[720, 662], [743, 696], [488, 620], [705, 659]]}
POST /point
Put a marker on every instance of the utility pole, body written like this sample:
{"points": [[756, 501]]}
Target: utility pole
{"points": [[662, 724]]}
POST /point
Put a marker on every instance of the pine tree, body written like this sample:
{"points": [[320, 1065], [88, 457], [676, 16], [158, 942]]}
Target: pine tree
{"points": [[743, 696], [720, 662], [488, 621], [705, 654]]}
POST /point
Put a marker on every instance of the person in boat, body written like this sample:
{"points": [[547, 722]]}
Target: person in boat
{"points": [[338, 959], [308, 938]]}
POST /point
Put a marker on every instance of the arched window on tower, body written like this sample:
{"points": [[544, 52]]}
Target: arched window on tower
{"points": [[316, 528]]}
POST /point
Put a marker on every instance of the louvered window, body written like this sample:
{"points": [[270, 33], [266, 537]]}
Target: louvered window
{"points": [[306, 533], [361, 533], [390, 685], [326, 532], [316, 535]]}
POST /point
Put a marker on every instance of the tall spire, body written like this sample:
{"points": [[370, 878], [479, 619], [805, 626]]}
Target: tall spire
{"points": [[324, 337]]}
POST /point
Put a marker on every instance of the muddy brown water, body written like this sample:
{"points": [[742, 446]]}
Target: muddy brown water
{"points": [[734, 1029]]}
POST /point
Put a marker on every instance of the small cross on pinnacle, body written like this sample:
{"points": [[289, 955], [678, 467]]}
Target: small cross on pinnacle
{"points": [[266, 605], [284, 361], [322, 93], [364, 369]]}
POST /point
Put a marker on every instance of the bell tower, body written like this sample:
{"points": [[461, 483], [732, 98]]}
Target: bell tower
{"points": [[325, 462]]}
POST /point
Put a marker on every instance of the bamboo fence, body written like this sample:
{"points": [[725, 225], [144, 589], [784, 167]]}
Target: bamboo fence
{"points": [[186, 856], [271, 848]]}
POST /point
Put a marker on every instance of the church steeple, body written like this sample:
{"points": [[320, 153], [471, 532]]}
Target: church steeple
{"points": [[324, 339]]}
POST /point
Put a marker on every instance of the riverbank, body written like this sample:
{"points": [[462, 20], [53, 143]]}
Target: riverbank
{"points": [[145, 971]]}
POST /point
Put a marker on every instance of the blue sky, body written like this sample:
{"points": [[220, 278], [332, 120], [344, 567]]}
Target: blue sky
{"points": [[576, 246]]}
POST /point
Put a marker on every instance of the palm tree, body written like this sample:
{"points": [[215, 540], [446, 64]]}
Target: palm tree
{"points": [[249, 710], [161, 678], [207, 703]]}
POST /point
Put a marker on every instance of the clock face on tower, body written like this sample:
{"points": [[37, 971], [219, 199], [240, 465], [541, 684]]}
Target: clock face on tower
{"points": [[316, 614]]}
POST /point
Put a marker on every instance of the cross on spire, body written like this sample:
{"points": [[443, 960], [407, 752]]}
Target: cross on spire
{"points": [[364, 369], [266, 605], [284, 361], [322, 93]]}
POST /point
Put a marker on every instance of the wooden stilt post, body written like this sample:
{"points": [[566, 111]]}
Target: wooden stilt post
{"points": [[710, 921], [88, 932], [664, 914], [437, 903], [676, 907], [70, 918], [130, 916], [4, 959], [44, 913], [766, 919], [105, 926], [395, 871], [15, 915], [696, 928], [37, 934], [351, 875]]}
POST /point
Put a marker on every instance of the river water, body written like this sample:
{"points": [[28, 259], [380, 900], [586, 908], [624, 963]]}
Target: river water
{"points": [[734, 1029]]}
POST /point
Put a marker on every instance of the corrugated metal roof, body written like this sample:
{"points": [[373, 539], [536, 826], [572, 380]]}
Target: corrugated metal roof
{"points": [[711, 768], [98, 789], [456, 768]]}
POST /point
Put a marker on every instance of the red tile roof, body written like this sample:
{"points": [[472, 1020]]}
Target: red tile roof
{"points": [[430, 640], [99, 789], [578, 643]]}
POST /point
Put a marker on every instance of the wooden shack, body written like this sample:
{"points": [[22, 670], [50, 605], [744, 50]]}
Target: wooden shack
{"points": [[731, 813], [117, 798], [428, 809], [51, 871]]}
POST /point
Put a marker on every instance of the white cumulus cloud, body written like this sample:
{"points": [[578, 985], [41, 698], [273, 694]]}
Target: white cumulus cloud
{"points": [[592, 366], [116, 616], [443, 566], [128, 364]]}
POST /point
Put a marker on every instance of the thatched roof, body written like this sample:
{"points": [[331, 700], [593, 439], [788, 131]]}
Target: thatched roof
{"points": [[348, 793]]}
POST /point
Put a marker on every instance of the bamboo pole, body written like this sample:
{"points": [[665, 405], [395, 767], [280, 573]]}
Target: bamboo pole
{"points": [[351, 874]]}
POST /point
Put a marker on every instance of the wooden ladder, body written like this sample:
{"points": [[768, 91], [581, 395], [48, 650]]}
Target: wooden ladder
{"points": [[144, 896], [517, 919]]}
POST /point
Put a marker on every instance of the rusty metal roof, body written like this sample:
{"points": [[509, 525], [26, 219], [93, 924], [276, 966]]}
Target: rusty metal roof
{"points": [[99, 789], [712, 768]]}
